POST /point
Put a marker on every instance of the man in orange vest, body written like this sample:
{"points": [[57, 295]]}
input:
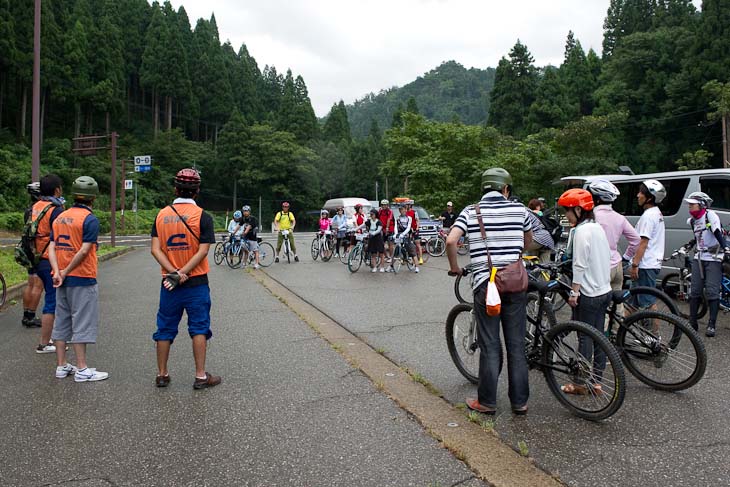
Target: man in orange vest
{"points": [[45, 211], [181, 238], [72, 253], [34, 288]]}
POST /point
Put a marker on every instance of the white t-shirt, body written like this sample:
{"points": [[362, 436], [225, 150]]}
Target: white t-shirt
{"points": [[651, 226], [704, 230], [232, 227]]}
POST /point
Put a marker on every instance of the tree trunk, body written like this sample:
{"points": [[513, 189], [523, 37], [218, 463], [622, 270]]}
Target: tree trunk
{"points": [[169, 113], [90, 121], [106, 122], [77, 123], [156, 111], [23, 110], [129, 101], [206, 131], [2, 96]]}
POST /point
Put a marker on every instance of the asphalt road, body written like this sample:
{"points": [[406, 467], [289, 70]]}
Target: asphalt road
{"points": [[290, 411], [656, 439]]}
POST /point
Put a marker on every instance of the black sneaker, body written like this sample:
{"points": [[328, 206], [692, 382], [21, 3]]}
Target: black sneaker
{"points": [[710, 331], [162, 381], [296, 259], [209, 381], [31, 322], [276, 260]]}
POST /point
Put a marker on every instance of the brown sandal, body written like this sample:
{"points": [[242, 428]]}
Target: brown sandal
{"points": [[474, 405], [575, 389]]}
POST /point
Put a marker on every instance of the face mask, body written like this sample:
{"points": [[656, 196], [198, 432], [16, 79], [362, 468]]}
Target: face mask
{"points": [[697, 214]]}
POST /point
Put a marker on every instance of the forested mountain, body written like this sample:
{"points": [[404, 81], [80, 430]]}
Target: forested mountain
{"points": [[446, 93]]}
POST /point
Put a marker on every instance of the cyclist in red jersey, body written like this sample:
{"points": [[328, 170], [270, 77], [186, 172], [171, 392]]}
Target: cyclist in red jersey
{"points": [[414, 230], [385, 215]]}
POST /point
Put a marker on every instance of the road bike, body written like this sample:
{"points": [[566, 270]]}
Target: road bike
{"points": [[221, 248], [401, 255], [358, 254], [234, 253], [436, 245], [323, 246], [287, 246], [660, 349], [266, 253], [555, 349]]}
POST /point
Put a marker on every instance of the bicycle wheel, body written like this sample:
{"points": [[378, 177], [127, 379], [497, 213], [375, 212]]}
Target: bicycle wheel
{"points": [[662, 350], [344, 253], [287, 250], [463, 290], [234, 256], [266, 254], [602, 391], [463, 249], [436, 246], [354, 260], [219, 253], [424, 254], [642, 294], [672, 287], [397, 260], [545, 321], [461, 341], [3, 290], [315, 248]]}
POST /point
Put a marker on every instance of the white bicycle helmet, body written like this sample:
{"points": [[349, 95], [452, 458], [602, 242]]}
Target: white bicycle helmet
{"points": [[604, 190], [324, 212], [656, 189], [246, 208], [700, 198], [384, 202], [236, 215]]}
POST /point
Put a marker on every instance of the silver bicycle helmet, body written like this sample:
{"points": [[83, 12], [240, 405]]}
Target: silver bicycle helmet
{"points": [[699, 198], [656, 189], [237, 214], [246, 208], [604, 190]]}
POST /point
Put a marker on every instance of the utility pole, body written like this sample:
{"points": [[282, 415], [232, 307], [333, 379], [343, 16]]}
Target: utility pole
{"points": [[113, 215], [725, 159], [36, 130], [376, 191]]}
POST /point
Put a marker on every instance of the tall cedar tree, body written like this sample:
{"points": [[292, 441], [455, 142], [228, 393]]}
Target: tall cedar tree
{"points": [[514, 91], [337, 128], [577, 78], [624, 18], [552, 106]]}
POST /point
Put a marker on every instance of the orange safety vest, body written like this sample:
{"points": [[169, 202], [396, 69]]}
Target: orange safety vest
{"points": [[175, 238], [68, 234], [43, 235]]}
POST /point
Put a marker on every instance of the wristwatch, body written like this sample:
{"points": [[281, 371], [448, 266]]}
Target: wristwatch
{"points": [[574, 293]]}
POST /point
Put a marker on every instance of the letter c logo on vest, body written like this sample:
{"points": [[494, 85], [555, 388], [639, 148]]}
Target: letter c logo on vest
{"points": [[177, 240], [62, 241]]}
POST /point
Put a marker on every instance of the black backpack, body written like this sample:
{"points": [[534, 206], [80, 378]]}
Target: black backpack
{"points": [[552, 226], [26, 253]]}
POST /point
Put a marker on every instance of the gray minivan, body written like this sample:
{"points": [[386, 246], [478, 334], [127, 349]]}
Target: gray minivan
{"points": [[679, 184]]}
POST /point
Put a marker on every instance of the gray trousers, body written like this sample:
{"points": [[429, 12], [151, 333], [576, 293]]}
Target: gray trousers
{"points": [[77, 314]]}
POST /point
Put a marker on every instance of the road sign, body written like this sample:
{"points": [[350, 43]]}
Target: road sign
{"points": [[142, 168], [128, 184], [142, 160]]}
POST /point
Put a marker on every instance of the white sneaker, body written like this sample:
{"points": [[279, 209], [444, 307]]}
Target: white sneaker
{"points": [[374, 270], [389, 269], [382, 269], [255, 266], [45, 348], [89, 375], [65, 370], [417, 271]]}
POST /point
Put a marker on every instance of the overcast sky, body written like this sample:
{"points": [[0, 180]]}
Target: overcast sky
{"points": [[345, 49]]}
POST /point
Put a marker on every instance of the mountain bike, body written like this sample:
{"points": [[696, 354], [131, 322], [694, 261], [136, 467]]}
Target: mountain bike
{"points": [[553, 348], [660, 349], [357, 254], [221, 248], [436, 245], [678, 285], [402, 256], [287, 246]]}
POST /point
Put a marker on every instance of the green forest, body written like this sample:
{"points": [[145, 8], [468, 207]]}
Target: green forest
{"points": [[652, 99]]}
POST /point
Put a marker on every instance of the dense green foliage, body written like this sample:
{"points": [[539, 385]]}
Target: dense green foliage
{"points": [[445, 93]]}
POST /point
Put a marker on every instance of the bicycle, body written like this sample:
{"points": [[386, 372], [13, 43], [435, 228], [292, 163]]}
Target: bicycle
{"points": [[220, 250], [552, 348], [436, 245], [678, 285], [401, 255], [3, 290], [323, 246], [287, 246], [357, 254], [266, 253], [234, 254], [660, 349]]}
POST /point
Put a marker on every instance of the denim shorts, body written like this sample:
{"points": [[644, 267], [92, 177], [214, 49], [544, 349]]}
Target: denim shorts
{"points": [[647, 277], [195, 301], [44, 273]]}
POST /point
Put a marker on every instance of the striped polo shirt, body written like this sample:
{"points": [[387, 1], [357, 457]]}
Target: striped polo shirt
{"points": [[505, 223]]}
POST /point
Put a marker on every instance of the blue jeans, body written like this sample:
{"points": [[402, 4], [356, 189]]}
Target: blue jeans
{"points": [[647, 277], [513, 320], [592, 311]]}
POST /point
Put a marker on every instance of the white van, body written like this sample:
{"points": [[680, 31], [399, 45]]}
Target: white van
{"points": [[679, 184], [349, 205]]}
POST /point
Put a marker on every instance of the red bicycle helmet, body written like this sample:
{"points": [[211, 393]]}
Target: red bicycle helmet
{"points": [[187, 178], [576, 198], [285, 204], [358, 206]]}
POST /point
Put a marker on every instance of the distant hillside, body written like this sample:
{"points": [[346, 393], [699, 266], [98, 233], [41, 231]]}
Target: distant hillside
{"points": [[442, 94]]}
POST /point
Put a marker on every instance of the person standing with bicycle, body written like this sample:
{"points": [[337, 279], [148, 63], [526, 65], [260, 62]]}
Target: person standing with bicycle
{"points": [[181, 238], [414, 229], [284, 220], [385, 215], [498, 231], [404, 232], [711, 249], [339, 226], [590, 295], [249, 233]]}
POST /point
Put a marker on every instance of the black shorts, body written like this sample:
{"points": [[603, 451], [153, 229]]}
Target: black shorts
{"points": [[375, 244]]}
